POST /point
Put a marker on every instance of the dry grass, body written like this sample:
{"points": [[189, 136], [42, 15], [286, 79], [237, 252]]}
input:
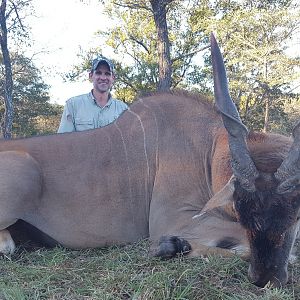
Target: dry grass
{"points": [[129, 273]]}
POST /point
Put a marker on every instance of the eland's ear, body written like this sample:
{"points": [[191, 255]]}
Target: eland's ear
{"points": [[221, 198]]}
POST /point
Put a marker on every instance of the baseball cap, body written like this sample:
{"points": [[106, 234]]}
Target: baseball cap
{"points": [[102, 60]]}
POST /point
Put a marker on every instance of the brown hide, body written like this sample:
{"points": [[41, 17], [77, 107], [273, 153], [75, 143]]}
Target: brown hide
{"points": [[150, 170], [267, 152]]}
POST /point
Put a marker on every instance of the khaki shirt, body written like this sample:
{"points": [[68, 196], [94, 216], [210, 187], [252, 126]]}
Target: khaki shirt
{"points": [[83, 113]]}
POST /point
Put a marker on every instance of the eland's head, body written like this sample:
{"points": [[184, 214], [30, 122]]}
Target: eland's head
{"points": [[266, 203]]}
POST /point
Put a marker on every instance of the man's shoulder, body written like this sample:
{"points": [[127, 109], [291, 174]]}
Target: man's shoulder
{"points": [[119, 102]]}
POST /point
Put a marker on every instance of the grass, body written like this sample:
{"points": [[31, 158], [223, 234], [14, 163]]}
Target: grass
{"points": [[129, 273]]}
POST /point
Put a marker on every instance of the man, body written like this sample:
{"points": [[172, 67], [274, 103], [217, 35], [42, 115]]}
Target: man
{"points": [[97, 108]]}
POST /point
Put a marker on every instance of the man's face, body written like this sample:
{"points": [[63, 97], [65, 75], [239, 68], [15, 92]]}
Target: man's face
{"points": [[102, 78]]}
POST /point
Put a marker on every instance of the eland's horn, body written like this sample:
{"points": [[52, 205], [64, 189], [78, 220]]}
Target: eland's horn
{"points": [[242, 165], [291, 164]]}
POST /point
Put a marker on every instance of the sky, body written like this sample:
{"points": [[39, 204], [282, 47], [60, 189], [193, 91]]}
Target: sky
{"points": [[58, 30]]}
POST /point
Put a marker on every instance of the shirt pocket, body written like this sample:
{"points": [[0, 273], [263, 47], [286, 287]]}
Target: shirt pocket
{"points": [[84, 124]]}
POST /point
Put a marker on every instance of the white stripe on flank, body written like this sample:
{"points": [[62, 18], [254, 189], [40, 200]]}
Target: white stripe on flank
{"points": [[156, 124], [128, 171], [144, 138], [147, 180], [149, 192]]}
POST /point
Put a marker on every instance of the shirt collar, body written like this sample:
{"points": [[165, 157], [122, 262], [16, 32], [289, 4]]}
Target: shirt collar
{"points": [[91, 96]]}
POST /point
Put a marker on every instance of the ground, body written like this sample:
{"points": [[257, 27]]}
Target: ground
{"points": [[129, 273]]}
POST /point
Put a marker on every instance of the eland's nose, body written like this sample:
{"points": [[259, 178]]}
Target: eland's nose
{"points": [[268, 277], [274, 282]]}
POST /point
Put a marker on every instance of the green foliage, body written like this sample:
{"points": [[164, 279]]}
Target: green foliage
{"points": [[292, 113], [255, 38], [133, 39], [33, 113]]}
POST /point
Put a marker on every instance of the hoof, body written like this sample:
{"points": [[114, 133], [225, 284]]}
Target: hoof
{"points": [[170, 246]]}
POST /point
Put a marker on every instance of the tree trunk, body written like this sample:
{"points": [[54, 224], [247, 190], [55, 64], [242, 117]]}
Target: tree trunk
{"points": [[165, 66], [266, 96], [266, 123], [6, 123]]}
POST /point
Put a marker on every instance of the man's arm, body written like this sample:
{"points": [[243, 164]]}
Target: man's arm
{"points": [[67, 120]]}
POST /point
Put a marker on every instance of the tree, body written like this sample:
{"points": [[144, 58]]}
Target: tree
{"points": [[151, 62], [158, 9], [10, 21], [163, 43], [255, 37], [31, 100], [8, 83]]}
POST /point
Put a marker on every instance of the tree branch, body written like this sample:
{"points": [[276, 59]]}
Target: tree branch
{"points": [[179, 57], [140, 43], [132, 5], [17, 14]]}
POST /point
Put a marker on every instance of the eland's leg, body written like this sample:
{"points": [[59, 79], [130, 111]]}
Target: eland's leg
{"points": [[20, 191], [198, 237], [7, 245]]}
